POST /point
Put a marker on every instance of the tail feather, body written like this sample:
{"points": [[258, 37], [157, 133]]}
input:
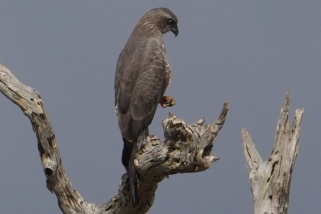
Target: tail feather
{"points": [[128, 156]]}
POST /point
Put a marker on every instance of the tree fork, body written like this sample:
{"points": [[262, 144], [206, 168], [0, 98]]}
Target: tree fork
{"points": [[186, 148], [270, 180]]}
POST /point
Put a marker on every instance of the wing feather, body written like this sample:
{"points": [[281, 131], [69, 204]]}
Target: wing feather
{"points": [[140, 84]]}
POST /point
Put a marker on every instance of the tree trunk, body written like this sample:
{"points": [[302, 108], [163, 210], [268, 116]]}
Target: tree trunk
{"points": [[270, 180]]}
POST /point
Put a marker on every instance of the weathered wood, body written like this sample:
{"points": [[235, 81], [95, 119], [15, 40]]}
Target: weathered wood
{"points": [[186, 148], [270, 180]]}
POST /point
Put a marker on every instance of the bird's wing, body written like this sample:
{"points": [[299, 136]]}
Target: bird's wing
{"points": [[141, 87]]}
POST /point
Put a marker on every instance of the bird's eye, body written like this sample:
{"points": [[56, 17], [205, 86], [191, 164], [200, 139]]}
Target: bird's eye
{"points": [[170, 21]]}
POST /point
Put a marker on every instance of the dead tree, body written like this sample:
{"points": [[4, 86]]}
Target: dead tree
{"points": [[270, 180], [186, 148]]}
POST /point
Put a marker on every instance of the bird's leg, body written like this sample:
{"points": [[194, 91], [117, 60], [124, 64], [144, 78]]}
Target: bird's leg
{"points": [[167, 101]]}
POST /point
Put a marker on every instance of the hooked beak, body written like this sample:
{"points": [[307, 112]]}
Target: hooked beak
{"points": [[174, 29]]}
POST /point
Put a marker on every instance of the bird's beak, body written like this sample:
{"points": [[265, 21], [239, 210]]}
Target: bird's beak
{"points": [[174, 29]]}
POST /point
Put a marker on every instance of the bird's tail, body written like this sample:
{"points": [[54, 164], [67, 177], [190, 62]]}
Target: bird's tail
{"points": [[128, 156]]}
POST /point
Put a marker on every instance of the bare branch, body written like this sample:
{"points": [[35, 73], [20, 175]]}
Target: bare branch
{"points": [[186, 148], [270, 180]]}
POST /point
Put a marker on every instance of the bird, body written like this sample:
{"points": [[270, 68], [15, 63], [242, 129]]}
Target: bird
{"points": [[142, 75]]}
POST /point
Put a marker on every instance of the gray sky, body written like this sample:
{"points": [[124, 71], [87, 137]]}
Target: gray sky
{"points": [[247, 52]]}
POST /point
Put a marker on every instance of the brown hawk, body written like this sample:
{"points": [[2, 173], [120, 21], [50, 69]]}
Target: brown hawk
{"points": [[142, 76]]}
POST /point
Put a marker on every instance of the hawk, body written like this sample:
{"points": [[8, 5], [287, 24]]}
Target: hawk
{"points": [[142, 76]]}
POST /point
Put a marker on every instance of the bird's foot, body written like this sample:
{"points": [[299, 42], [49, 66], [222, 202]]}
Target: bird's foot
{"points": [[167, 101]]}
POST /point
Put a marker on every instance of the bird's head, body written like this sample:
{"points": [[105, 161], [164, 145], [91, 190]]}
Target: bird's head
{"points": [[171, 25], [161, 19]]}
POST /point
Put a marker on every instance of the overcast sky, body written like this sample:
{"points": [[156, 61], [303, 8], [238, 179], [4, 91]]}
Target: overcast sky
{"points": [[247, 52]]}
